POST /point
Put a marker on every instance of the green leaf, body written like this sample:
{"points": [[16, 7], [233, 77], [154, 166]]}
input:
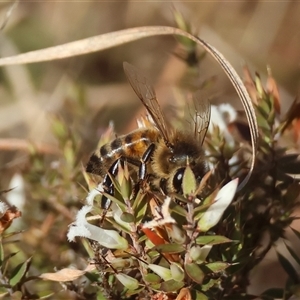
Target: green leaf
{"points": [[127, 217], [261, 119], [212, 240], [59, 129], [194, 272], [169, 248], [199, 254], [131, 292], [1, 253], [200, 210], [45, 294], [208, 285], [200, 296], [177, 272], [129, 282], [69, 153], [217, 266], [288, 267], [188, 182], [171, 286], [126, 187], [140, 206], [116, 184], [7, 258], [19, 272], [152, 278], [163, 272], [116, 200], [177, 208], [110, 239]]}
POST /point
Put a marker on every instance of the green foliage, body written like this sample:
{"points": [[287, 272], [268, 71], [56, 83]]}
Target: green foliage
{"points": [[185, 245], [201, 243]]}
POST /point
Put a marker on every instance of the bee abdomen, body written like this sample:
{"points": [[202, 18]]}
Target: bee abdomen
{"points": [[136, 143], [100, 161], [95, 165], [131, 146]]}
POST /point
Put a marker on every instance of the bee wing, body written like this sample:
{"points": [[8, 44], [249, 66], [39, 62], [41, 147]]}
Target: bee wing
{"points": [[200, 116], [146, 93]]}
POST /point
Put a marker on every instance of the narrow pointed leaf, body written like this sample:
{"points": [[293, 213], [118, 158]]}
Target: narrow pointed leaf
{"points": [[194, 272], [177, 272], [212, 240], [163, 272], [19, 272], [129, 282], [188, 182], [200, 296], [295, 256], [296, 232], [288, 267], [170, 248], [217, 266], [171, 286]]}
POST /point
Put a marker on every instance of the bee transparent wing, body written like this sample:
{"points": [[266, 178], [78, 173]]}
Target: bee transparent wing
{"points": [[146, 93], [200, 116]]}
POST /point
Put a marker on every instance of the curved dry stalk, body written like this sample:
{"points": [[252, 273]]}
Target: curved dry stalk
{"points": [[12, 144], [112, 39]]}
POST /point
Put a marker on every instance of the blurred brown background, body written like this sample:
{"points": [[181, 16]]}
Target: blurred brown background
{"points": [[258, 33]]}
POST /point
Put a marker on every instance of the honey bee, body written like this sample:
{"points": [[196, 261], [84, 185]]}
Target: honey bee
{"points": [[160, 150]]}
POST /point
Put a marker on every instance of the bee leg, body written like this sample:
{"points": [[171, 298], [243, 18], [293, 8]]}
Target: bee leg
{"points": [[142, 172], [145, 159], [108, 184]]}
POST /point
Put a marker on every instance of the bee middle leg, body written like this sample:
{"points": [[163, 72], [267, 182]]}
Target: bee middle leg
{"points": [[144, 160], [113, 171], [108, 184], [142, 169]]}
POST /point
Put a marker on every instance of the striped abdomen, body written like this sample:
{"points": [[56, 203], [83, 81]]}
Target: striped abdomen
{"points": [[131, 147]]}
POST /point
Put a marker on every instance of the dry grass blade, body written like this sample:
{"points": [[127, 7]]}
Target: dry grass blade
{"points": [[8, 14], [113, 39]]}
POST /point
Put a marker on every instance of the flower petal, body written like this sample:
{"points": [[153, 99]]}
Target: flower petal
{"points": [[214, 213]]}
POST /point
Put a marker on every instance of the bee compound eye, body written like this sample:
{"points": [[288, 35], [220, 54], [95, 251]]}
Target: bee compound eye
{"points": [[177, 179]]}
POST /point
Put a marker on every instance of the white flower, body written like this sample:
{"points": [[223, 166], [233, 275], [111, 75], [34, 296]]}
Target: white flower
{"points": [[214, 213], [93, 193], [107, 238], [3, 207], [162, 216], [16, 196], [222, 116]]}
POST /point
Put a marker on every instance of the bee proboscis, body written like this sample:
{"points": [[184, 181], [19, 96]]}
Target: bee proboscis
{"points": [[159, 150]]}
